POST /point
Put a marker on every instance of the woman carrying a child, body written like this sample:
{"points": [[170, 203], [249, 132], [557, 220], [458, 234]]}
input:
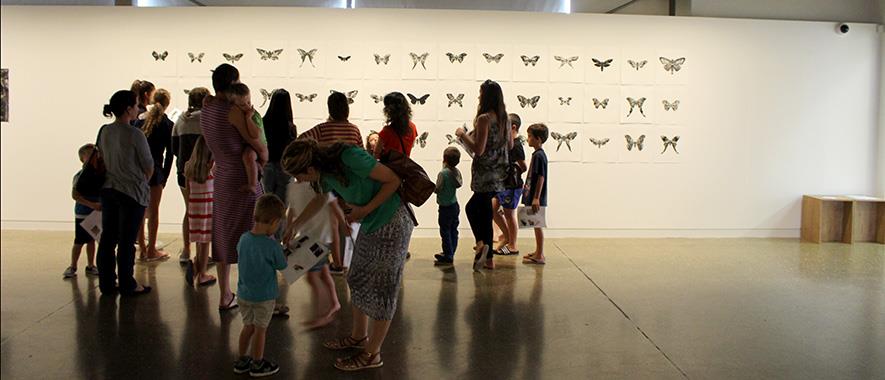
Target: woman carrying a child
{"points": [[224, 129], [376, 271]]}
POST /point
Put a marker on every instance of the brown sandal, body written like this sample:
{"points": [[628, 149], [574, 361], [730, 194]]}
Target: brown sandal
{"points": [[360, 361], [346, 342]]}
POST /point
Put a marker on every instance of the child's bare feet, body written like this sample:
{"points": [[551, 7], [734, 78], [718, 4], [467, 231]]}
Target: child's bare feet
{"points": [[325, 319]]}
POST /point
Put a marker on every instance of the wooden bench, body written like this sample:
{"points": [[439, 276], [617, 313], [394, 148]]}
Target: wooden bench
{"points": [[843, 218]]}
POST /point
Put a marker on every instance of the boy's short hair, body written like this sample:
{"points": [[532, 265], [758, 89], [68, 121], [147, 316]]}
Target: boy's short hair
{"points": [[452, 156], [239, 89], [268, 209], [515, 120], [339, 106], [85, 149], [539, 131]]}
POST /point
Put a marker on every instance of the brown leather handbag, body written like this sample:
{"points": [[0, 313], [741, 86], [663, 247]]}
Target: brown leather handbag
{"points": [[416, 186]]}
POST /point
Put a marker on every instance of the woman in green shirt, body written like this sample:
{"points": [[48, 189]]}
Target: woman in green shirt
{"points": [[369, 189]]}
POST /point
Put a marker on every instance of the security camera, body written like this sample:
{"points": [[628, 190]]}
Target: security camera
{"points": [[842, 28]]}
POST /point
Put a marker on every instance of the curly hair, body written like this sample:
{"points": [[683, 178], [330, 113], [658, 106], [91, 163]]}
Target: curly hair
{"points": [[304, 153], [398, 113]]}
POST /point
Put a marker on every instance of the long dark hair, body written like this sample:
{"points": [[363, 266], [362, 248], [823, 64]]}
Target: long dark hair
{"points": [[398, 113], [223, 77], [304, 153], [280, 108], [119, 103], [491, 100]]}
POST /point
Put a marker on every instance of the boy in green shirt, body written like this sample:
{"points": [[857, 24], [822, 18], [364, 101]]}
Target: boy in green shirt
{"points": [[240, 96], [447, 181]]}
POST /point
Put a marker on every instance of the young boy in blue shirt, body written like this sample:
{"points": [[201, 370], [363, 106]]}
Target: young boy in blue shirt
{"points": [[86, 204], [535, 195], [260, 257], [447, 181]]}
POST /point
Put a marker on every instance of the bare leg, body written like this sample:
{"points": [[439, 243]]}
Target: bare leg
{"points": [[324, 294], [246, 338], [223, 270], [249, 158], [258, 343], [504, 239], [90, 253], [185, 226], [75, 254], [142, 249], [201, 263], [154, 221], [539, 244], [337, 258], [360, 324], [512, 229], [376, 339]]}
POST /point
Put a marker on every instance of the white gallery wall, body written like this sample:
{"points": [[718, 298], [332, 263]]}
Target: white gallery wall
{"points": [[769, 110]]}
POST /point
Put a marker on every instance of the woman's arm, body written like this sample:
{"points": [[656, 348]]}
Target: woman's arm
{"points": [[168, 155], [390, 182], [313, 207], [477, 142]]}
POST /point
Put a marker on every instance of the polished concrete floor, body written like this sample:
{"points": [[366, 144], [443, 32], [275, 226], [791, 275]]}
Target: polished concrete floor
{"points": [[600, 308]]}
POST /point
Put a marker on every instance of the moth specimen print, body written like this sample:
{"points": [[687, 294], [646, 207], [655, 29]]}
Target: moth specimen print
{"points": [[493, 58], [565, 101], [599, 142], [308, 55], [526, 60], [637, 64], [453, 99], [377, 98], [600, 103], [265, 96], [196, 57], [565, 60], [269, 55], [602, 64], [523, 101], [631, 143], [422, 140], [343, 58], [567, 139], [672, 65], [456, 57], [232, 58], [306, 98], [419, 58], [674, 105], [418, 100], [379, 59], [636, 103], [160, 56], [670, 142]]}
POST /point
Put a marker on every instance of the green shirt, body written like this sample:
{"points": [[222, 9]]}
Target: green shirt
{"points": [[259, 122], [446, 182], [360, 188]]}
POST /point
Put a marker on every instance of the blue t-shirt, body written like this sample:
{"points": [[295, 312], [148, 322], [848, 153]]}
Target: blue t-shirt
{"points": [[538, 168], [260, 257]]}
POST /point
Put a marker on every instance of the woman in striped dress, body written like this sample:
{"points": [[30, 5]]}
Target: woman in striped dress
{"points": [[200, 186], [223, 128]]}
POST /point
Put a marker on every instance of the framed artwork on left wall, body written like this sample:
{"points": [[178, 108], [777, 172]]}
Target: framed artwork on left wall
{"points": [[4, 95]]}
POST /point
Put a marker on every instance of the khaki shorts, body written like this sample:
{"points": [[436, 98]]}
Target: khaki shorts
{"points": [[256, 313]]}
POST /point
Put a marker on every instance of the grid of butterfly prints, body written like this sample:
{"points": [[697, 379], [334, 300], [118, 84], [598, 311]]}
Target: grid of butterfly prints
{"points": [[602, 104]]}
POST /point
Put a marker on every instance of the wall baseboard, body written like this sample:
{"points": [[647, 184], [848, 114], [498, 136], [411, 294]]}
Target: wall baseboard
{"points": [[427, 232]]}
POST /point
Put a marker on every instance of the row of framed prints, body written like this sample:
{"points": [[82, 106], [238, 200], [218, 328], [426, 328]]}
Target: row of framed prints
{"points": [[455, 61], [457, 100]]}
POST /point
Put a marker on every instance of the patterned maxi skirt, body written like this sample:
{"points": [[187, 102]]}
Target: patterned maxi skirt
{"points": [[376, 270]]}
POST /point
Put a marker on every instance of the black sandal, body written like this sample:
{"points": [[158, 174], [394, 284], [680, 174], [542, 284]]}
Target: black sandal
{"points": [[346, 342], [360, 361]]}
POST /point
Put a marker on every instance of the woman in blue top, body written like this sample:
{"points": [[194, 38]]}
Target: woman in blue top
{"points": [[376, 272]]}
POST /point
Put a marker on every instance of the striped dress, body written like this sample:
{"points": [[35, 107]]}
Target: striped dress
{"points": [[232, 208], [199, 210]]}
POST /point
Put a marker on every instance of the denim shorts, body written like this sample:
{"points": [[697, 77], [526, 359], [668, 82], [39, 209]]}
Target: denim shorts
{"points": [[509, 198]]}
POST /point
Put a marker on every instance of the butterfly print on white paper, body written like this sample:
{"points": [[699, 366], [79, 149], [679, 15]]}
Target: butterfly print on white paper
{"points": [[493, 58], [416, 59], [566, 60], [269, 55], [631, 143], [636, 103], [599, 142], [308, 55], [456, 99], [672, 65], [160, 56], [524, 101], [670, 142], [456, 57], [232, 58], [418, 100], [566, 138], [602, 64]]}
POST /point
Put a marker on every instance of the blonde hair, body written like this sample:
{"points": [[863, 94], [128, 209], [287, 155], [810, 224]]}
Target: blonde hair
{"points": [[155, 115], [269, 208], [198, 167]]}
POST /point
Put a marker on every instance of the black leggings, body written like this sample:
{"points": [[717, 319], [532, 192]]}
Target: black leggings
{"points": [[479, 214]]}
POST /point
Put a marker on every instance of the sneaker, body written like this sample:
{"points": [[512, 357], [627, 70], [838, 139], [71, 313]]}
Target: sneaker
{"points": [[263, 368], [92, 270], [70, 272], [242, 365]]}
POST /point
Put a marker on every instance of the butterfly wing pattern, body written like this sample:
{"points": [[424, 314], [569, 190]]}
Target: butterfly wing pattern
{"points": [[670, 142], [672, 65], [636, 103], [637, 64], [418, 58], [524, 101], [566, 60], [602, 64], [422, 140], [196, 57], [377, 98], [265, 96], [565, 101], [566, 138], [533, 60], [344, 58], [456, 99], [600, 103], [456, 57], [418, 100], [160, 56], [232, 58], [382, 58], [638, 143], [306, 98], [270, 55], [674, 105], [307, 55], [599, 142], [493, 58]]}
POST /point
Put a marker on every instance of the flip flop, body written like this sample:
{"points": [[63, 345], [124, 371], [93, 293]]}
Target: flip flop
{"points": [[208, 282], [533, 261], [283, 310], [230, 305]]}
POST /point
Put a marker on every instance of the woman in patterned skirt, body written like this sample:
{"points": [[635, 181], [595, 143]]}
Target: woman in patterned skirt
{"points": [[379, 253], [223, 127]]}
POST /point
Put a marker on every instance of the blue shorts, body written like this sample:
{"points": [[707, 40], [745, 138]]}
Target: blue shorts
{"points": [[509, 198]]}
